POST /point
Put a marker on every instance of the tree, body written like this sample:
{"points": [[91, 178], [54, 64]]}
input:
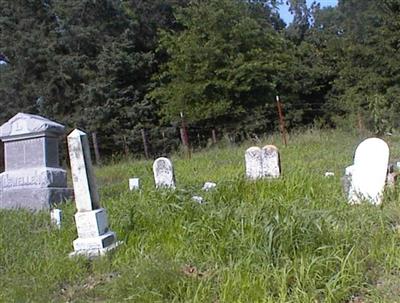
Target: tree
{"points": [[222, 67]]}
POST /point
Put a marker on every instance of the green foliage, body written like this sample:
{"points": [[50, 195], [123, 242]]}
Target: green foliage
{"points": [[116, 67], [221, 66]]}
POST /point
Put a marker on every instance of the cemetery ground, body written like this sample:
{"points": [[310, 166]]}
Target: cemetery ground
{"points": [[293, 239]]}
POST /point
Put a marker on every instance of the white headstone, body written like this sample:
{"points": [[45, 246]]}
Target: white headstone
{"points": [[134, 183], [163, 173], [208, 186], [270, 161], [198, 199], [94, 237], [329, 174], [56, 217], [369, 171], [253, 159]]}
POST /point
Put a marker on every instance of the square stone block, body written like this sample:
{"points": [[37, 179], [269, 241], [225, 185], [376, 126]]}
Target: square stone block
{"points": [[95, 243], [134, 183], [91, 224], [33, 198]]}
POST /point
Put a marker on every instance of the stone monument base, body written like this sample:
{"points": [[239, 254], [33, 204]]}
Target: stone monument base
{"points": [[33, 198], [93, 252], [94, 238]]}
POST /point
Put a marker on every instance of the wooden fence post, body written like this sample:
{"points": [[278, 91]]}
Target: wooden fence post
{"points": [[145, 147], [96, 148], [214, 136], [281, 120], [185, 136]]}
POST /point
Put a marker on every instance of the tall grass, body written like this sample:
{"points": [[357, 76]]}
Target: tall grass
{"points": [[289, 240]]}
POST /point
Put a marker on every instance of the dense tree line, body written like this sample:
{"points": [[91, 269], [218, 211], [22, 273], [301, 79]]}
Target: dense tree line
{"points": [[116, 67]]}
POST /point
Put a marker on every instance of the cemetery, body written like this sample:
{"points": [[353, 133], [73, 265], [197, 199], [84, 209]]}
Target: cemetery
{"points": [[222, 151], [269, 226]]}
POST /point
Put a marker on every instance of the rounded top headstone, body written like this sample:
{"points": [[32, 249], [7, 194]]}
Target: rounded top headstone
{"points": [[24, 125]]}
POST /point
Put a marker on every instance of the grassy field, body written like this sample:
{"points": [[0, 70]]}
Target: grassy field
{"points": [[289, 240]]}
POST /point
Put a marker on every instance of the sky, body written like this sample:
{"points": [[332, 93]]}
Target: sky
{"points": [[287, 17]]}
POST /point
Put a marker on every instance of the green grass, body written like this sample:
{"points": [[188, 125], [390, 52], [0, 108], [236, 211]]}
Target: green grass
{"points": [[289, 240]]}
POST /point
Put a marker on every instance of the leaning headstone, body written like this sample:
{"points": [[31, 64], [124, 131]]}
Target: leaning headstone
{"points": [[270, 162], [369, 171], [33, 178], [94, 237], [134, 184], [163, 173], [209, 186], [253, 159]]}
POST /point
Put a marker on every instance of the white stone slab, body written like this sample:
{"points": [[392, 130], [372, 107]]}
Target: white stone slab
{"points": [[85, 189], [270, 162], [56, 217], [163, 173], [209, 186], [95, 243], [253, 159], [329, 174], [90, 224], [134, 183], [369, 171], [198, 199]]}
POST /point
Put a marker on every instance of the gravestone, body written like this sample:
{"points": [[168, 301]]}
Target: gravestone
{"points": [[270, 162], [163, 173], [33, 178], [198, 199], [134, 183], [209, 186], [369, 171], [346, 180], [253, 159], [56, 217], [94, 237]]}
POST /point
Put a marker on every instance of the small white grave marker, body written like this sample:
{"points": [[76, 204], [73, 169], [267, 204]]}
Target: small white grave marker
{"points": [[56, 217], [163, 173], [209, 186], [369, 171], [94, 237], [134, 184], [198, 199], [329, 174]]}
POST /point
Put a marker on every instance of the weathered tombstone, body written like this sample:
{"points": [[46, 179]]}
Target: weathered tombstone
{"points": [[346, 179], [163, 173], [94, 237], [270, 162], [134, 183], [33, 178], [369, 171], [253, 159]]}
